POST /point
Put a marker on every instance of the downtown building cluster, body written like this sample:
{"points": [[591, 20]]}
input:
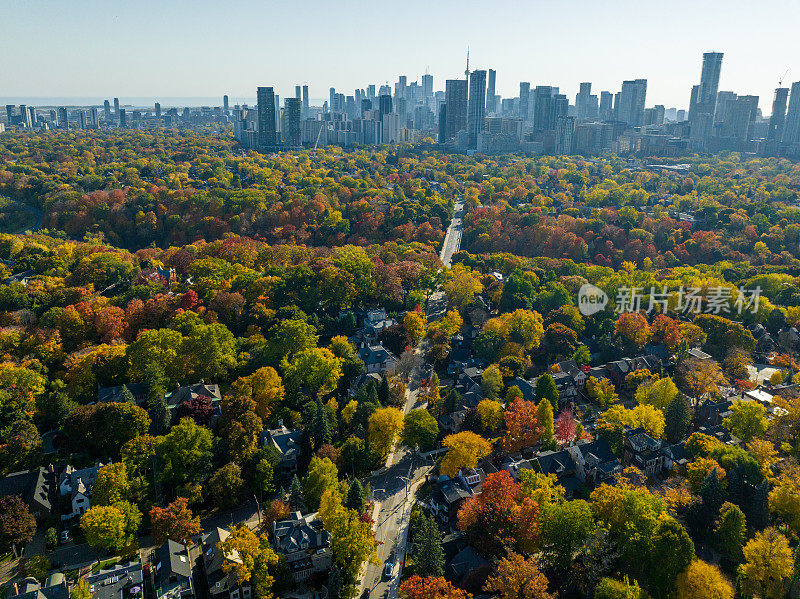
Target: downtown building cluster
{"points": [[469, 116]]}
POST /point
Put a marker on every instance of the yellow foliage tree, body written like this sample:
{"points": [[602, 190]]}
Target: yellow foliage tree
{"points": [[465, 449]]}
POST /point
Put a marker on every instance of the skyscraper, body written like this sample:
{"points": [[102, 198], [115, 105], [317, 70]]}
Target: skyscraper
{"points": [[62, 118], [427, 86], [703, 101], [291, 119], [524, 99], [123, 121], [477, 106], [543, 108], [631, 102], [225, 102], [565, 131], [585, 103], [25, 117], [265, 96], [158, 110], [116, 107], [606, 110], [304, 112], [384, 106], [778, 116], [331, 99], [455, 94], [107, 110], [491, 98], [297, 92], [791, 129]]}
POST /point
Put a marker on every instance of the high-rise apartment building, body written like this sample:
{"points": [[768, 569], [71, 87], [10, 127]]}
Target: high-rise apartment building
{"points": [[158, 110], [703, 100], [778, 117], [491, 98], [267, 130], [564, 134], [123, 120], [606, 109], [107, 110], [585, 103], [455, 93], [631, 102], [304, 112], [384, 106], [543, 111], [791, 129], [292, 133], [477, 106], [524, 99], [116, 107]]}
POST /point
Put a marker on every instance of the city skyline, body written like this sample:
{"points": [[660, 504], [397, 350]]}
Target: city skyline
{"points": [[197, 58]]}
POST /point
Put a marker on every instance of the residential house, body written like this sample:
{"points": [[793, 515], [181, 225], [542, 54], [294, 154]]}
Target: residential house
{"points": [[567, 390], [528, 388], [467, 562], [562, 465], [36, 487], [765, 343], [121, 581], [676, 458], [375, 322], [183, 393], [451, 423], [55, 587], [288, 443], [720, 433], [470, 379], [377, 358], [221, 584], [595, 462], [117, 394], [172, 574], [449, 494], [712, 413], [579, 376], [789, 338], [305, 543], [76, 485], [643, 451]]}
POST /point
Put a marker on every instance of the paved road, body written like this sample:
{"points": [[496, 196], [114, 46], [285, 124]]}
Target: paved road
{"points": [[452, 239], [394, 489]]}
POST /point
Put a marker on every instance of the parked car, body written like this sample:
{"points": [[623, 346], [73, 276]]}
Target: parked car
{"points": [[388, 570]]}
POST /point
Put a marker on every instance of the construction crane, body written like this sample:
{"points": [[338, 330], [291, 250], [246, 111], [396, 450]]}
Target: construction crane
{"points": [[780, 81]]}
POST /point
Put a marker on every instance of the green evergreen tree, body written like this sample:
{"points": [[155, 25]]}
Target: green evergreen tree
{"points": [[321, 430], [296, 500], [383, 391], [427, 548], [156, 382], [126, 396], [355, 497], [546, 389], [712, 497], [677, 419], [545, 411], [730, 533]]}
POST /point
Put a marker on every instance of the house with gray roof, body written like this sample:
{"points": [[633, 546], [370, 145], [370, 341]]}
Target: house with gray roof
{"points": [[172, 574], [221, 584], [288, 443], [36, 487], [121, 581], [305, 543], [55, 587]]}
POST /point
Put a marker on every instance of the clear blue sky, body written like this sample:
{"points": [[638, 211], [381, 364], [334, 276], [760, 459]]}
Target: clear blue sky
{"points": [[208, 48]]}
